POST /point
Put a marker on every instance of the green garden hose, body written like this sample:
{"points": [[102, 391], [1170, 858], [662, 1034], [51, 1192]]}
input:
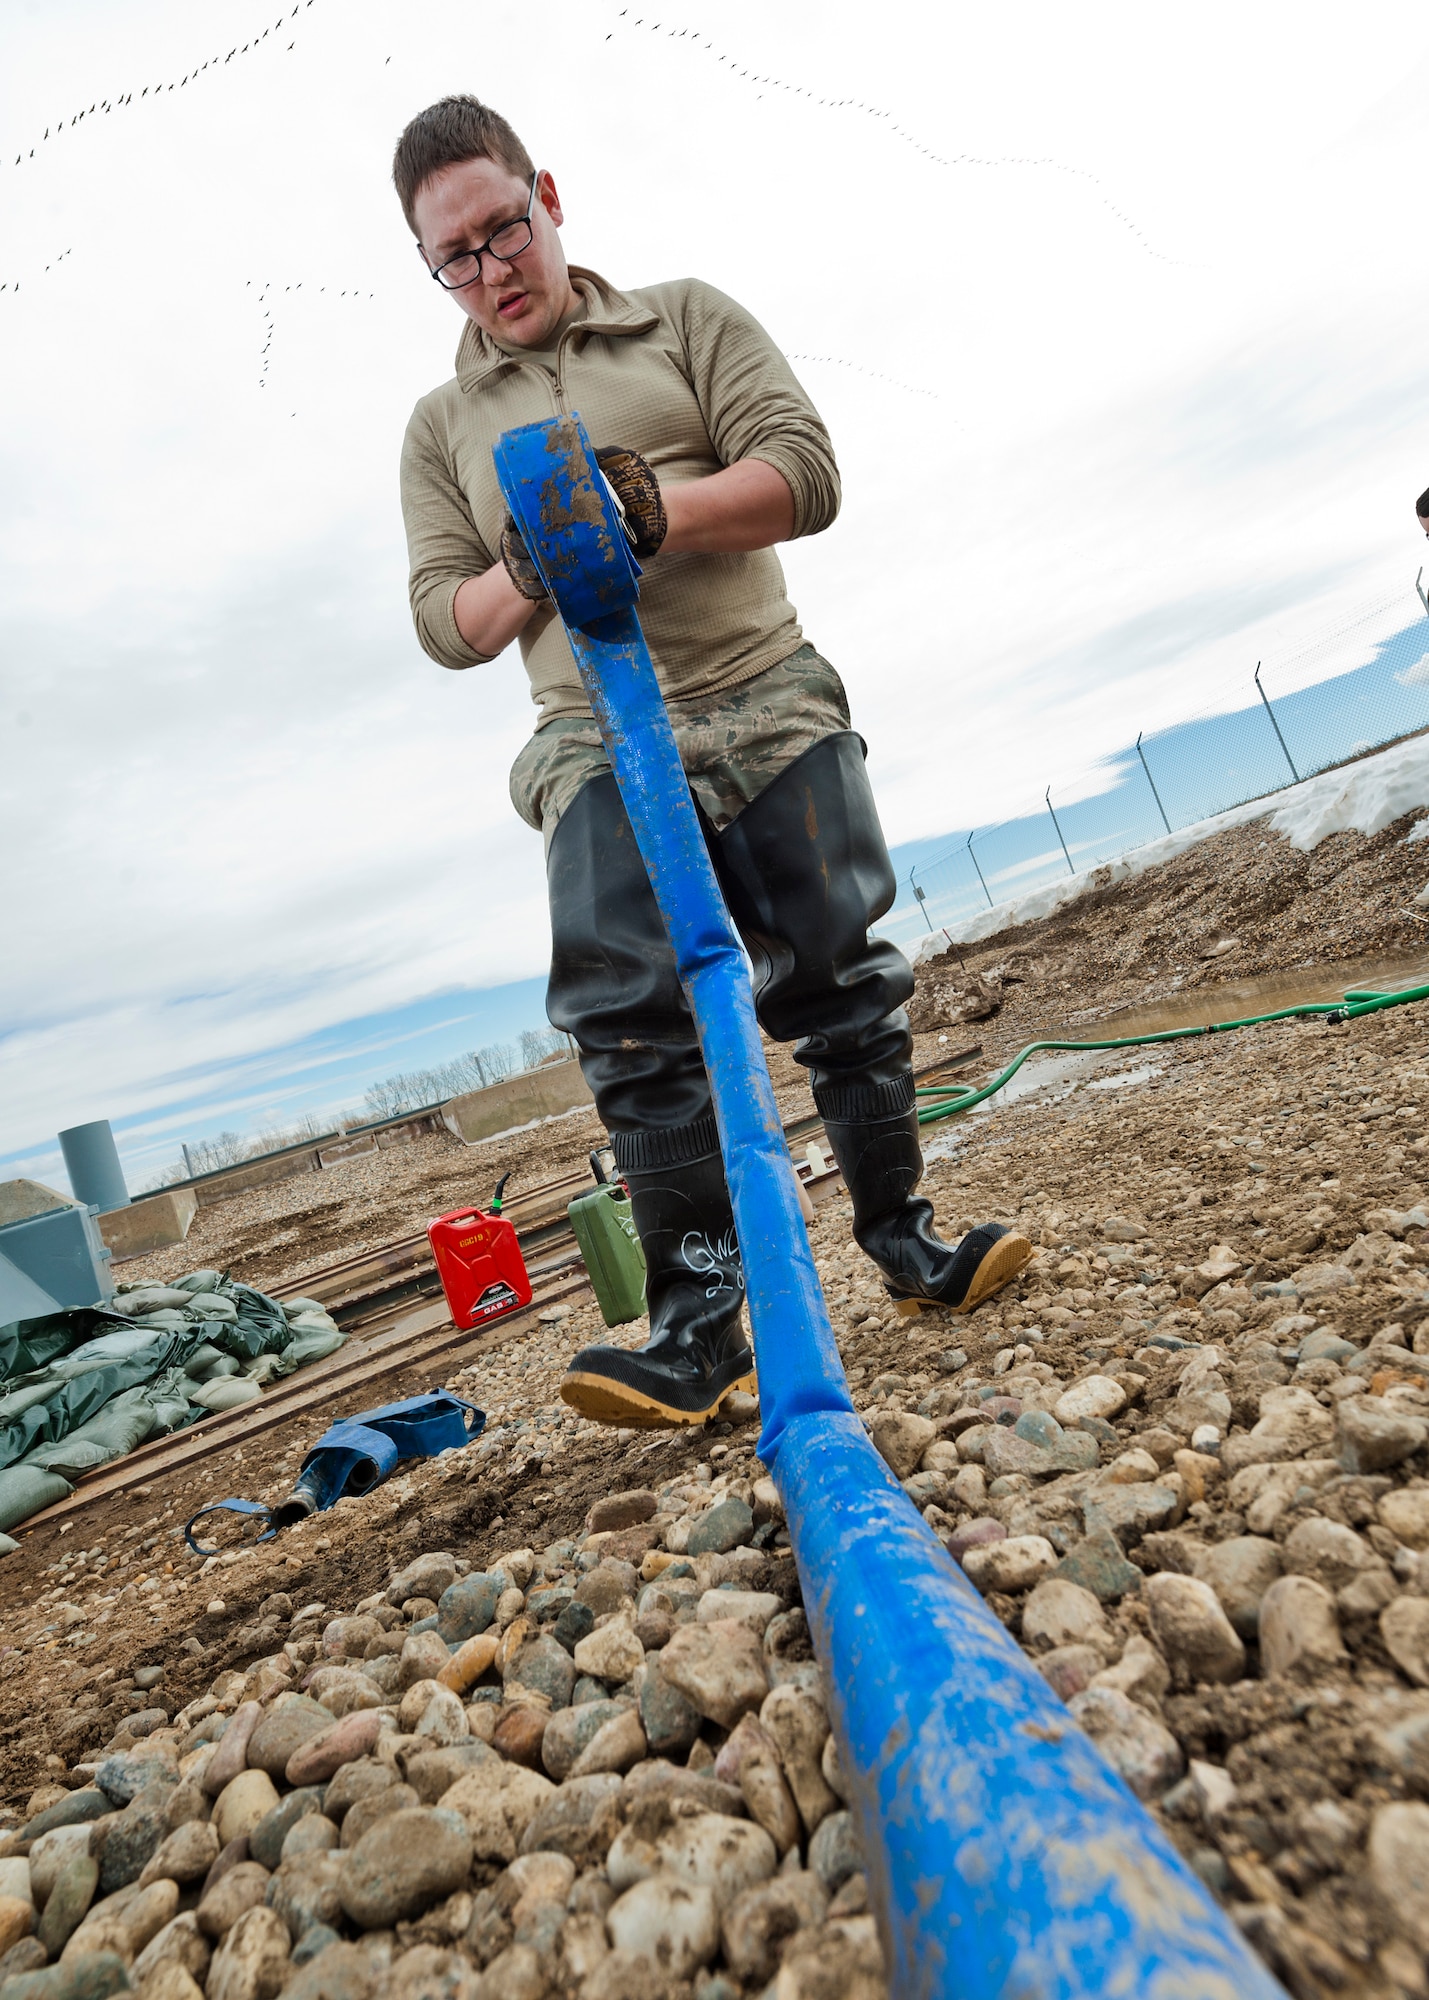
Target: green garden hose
{"points": [[955, 1097]]}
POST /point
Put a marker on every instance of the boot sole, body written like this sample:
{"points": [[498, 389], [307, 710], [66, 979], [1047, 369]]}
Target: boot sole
{"points": [[601, 1401], [1009, 1255]]}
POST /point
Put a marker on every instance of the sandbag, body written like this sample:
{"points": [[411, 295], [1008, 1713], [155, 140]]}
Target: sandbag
{"points": [[168, 1398], [203, 1357], [264, 1369], [313, 1317], [220, 1366], [293, 1307], [311, 1344], [70, 1457], [229, 1393], [148, 1298], [199, 1281], [25, 1489], [130, 1343], [212, 1305], [77, 1399], [120, 1427]]}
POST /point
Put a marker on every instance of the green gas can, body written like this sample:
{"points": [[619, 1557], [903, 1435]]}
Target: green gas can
{"points": [[605, 1231]]}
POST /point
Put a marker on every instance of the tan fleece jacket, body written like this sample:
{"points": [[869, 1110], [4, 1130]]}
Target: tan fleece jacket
{"points": [[680, 373]]}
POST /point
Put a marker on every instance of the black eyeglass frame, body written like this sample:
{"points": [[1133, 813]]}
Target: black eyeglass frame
{"points": [[485, 249]]}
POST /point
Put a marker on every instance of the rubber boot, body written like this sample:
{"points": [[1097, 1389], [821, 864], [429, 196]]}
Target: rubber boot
{"points": [[697, 1354], [877, 1148]]}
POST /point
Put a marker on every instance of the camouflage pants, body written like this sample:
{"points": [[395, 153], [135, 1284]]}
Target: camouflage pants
{"points": [[732, 744]]}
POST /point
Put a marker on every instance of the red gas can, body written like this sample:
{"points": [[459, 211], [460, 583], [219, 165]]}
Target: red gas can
{"points": [[480, 1264]]}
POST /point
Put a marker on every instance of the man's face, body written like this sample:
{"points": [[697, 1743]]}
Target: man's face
{"points": [[1423, 520], [520, 301]]}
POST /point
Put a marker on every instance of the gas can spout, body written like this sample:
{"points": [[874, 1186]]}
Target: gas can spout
{"points": [[495, 1208]]}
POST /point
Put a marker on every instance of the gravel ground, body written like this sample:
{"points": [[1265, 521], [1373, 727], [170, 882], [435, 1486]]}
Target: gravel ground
{"points": [[1185, 1459]]}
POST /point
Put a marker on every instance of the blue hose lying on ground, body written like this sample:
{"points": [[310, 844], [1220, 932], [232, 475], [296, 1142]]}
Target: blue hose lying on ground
{"points": [[1004, 1857]]}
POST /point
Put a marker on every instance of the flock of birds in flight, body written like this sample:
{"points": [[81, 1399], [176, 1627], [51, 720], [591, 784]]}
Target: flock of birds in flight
{"points": [[733, 68], [730, 64]]}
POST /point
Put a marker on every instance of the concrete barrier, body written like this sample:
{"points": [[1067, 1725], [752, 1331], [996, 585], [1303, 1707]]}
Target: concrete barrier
{"points": [[151, 1222], [521, 1100]]}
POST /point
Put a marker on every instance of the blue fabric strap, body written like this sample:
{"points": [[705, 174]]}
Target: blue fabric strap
{"points": [[358, 1453], [227, 1507]]}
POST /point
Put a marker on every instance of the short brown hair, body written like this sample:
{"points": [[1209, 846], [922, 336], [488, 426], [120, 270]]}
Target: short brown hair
{"points": [[446, 133]]}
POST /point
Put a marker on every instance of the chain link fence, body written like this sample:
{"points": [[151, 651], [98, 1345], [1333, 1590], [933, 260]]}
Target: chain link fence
{"points": [[1358, 688]]}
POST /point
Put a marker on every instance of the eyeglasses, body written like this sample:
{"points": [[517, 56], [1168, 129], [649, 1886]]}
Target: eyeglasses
{"points": [[504, 244]]}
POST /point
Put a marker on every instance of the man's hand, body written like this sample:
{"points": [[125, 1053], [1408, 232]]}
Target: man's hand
{"points": [[519, 566], [633, 482]]}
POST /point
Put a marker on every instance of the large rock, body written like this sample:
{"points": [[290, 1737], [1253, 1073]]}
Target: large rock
{"points": [[541, 1667], [670, 1721], [67, 1902], [1015, 1563], [1093, 1396], [1240, 1571], [1299, 1629], [283, 1730], [725, 1855], [1058, 1613], [757, 1923], [622, 1510], [252, 1961], [1144, 1754], [243, 1887], [1399, 1867], [1328, 1551], [1404, 1628], [727, 1525], [498, 1804], [179, 1943], [797, 1726], [304, 1891], [1192, 1631], [322, 1756], [834, 1852], [567, 1734], [407, 1862], [718, 1668], [1371, 1438], [265, 1842], [611, 1652], [1405, 1513], [466, 1608], [186, 1856], [578, 1819], [250, 1797], [672, 1923], [426, 1576], [902, 1438]]}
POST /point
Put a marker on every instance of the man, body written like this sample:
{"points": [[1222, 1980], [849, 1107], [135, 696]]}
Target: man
{"points": [[716, 454], [1421, 508]]}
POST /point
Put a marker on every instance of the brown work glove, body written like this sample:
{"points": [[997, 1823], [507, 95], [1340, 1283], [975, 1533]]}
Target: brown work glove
{"points": [[633, 482], [519, 566]]}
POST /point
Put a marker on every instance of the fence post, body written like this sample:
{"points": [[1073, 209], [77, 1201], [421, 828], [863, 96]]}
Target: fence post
{"points": [[1152, 782], [976, 864], [1274, 724], [1048, 796], [920, 899]]}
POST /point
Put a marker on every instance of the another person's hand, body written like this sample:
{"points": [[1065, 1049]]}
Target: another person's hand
{"points": [[632, 480]]}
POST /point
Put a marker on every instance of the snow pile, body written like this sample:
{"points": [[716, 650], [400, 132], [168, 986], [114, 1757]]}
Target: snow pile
{"points": [[1360, 798]]}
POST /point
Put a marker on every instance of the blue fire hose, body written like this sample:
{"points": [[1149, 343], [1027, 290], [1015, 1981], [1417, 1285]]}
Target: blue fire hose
{"points": [[1005, 1858]]}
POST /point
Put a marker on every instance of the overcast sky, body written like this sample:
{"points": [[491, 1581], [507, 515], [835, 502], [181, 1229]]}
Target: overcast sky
{"points": [[1125, 311]]}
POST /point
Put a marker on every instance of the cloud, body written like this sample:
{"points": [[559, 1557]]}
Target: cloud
{"points": [[1415, 675]]}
